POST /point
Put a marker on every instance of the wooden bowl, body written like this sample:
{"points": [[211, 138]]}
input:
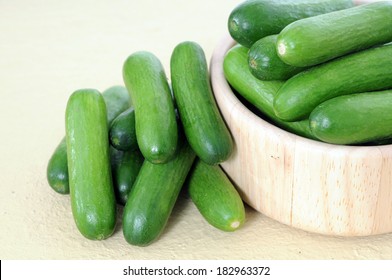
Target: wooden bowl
{"points": [[314, 186]]}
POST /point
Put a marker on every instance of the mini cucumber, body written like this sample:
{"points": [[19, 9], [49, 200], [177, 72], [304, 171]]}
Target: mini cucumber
{"points": [[203, 124], [317, 39], [153, 196], [254, 19], [122, 132], [125, 168], [354, 118], [117, 100], [215, 197], [367, 70], [57, 169], [257, 92], [265, 64], [90, 180], [155, 120]]}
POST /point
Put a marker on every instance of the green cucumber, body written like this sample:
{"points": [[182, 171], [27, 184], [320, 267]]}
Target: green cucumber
{"points": [[257, 92], [203, 124], [367, 70], [215, 197], [265, 64], [354, 118], [122, 132], [153, 196], [315, 40], [155, 119], [117, 100], [57, 169], [254, 19], [125, 168], [90, 179]]}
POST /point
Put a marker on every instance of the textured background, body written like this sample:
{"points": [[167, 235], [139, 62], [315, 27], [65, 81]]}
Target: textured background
{"points": [[49, 49]]}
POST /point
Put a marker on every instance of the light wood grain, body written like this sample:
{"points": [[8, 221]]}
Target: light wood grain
{"points": [[318, 187]]}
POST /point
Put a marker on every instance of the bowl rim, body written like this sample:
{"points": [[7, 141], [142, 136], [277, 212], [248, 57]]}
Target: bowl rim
{"points": [[218, 80]]}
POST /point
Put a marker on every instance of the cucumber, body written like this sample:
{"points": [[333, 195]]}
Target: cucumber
{"points": [[318, 39], [125, 168], [215, 197], [203, 124], [265, 64], [122, 132], [117, 100], [257, 92], [354, 118], [153, 196], [90, 179], [254, 19], [57, 169], [155, 120], [367, 70]]}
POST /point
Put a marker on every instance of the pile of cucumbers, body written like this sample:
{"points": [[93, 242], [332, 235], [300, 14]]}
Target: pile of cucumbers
{"points": [[138, 146], [321, 69]]}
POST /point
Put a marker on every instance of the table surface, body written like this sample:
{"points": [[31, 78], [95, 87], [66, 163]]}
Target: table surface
{"points": [[51, 48]]}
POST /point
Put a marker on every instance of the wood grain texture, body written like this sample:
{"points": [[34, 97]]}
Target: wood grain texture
{"points": [[318, 187]]}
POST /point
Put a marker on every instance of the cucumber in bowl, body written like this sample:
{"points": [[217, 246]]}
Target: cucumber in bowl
{"points": [[258, 93], [265, 64], [317, 39], [366, 70], [254, 19], [354, 119]]}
